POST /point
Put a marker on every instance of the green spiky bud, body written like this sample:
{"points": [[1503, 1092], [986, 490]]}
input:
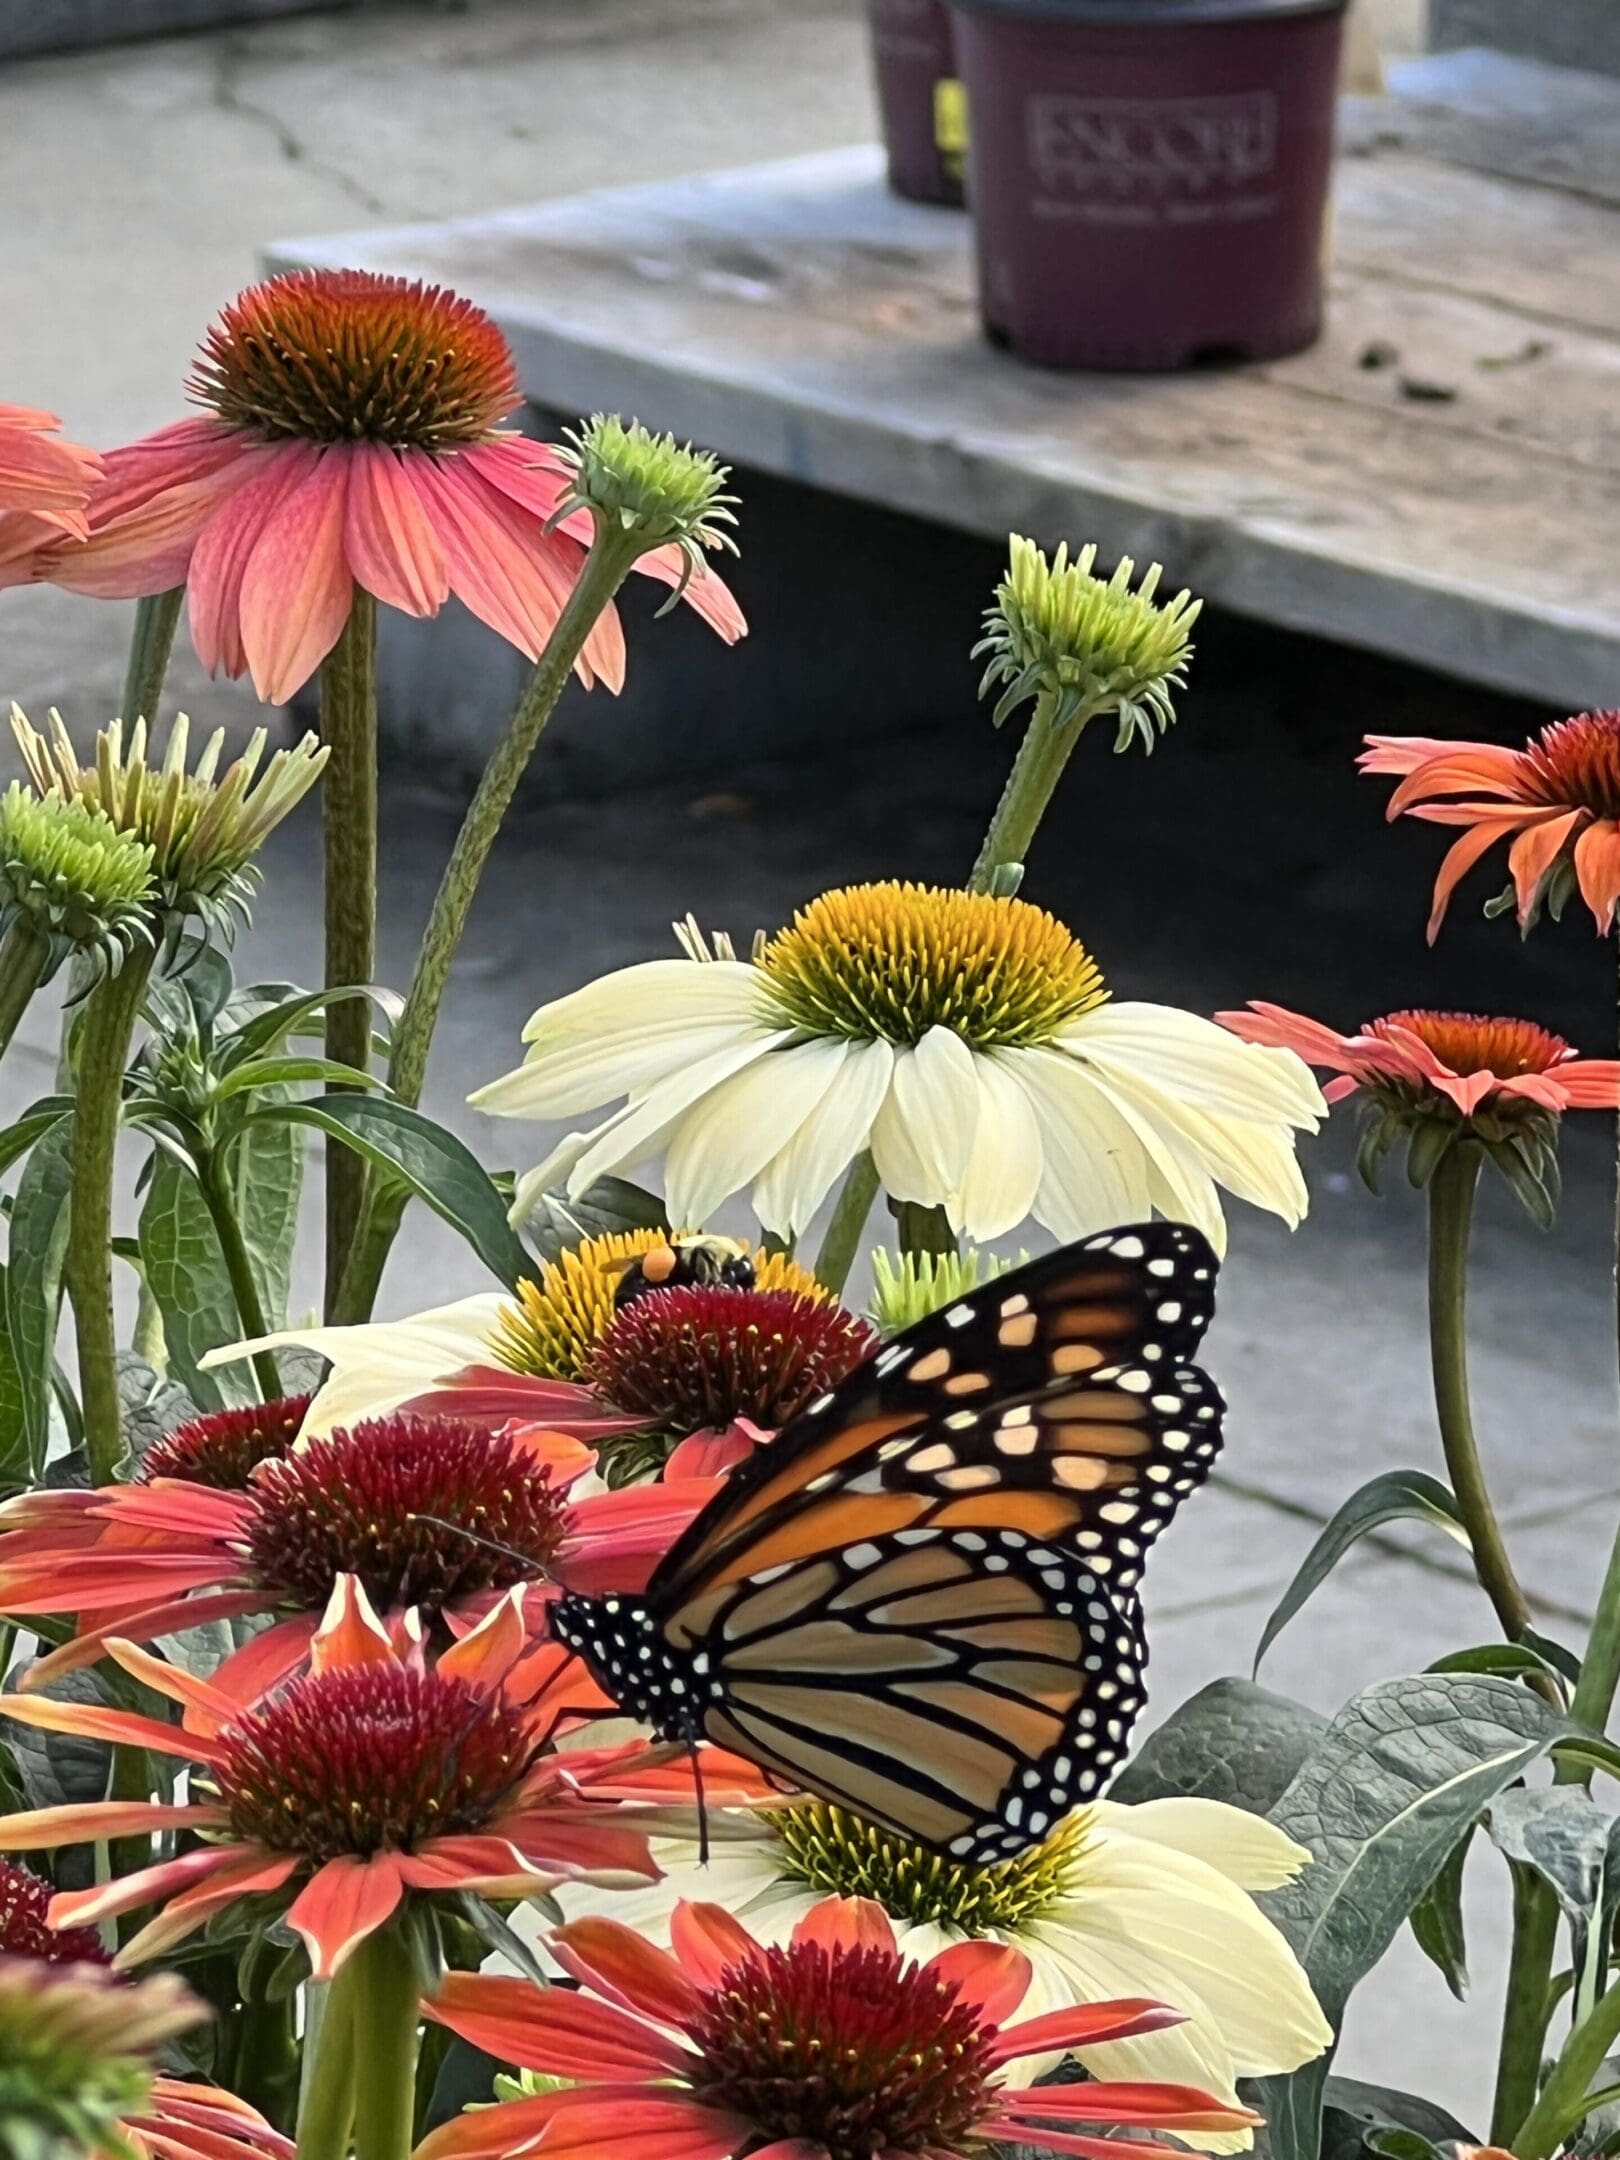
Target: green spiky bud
{"points": [[908, 1288], [68, 874], [76, 2048], [202, 826], [663, 493], [1086, 645]]}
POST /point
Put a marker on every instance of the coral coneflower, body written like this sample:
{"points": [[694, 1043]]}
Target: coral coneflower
{"points": [[353, 438], [45, 486], [830, 2047], [370, 1777], [1557, 800], [967, 1039], [430, 1514], [223, 1448], [1443, 1077], [25, 1931], [1115, 1901], [716, 1370]]}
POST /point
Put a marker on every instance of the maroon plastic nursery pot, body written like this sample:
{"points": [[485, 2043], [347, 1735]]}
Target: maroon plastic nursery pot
{"points": [[1150, 177], [920, 97]]}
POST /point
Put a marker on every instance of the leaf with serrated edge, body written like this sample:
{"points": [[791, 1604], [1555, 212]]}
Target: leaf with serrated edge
{"points": [[1402, 1771]]}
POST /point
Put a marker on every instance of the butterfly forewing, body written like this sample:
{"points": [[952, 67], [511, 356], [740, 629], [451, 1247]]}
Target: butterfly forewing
{"points": [[917, 1601]]}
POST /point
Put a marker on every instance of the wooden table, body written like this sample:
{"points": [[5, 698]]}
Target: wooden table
{"points": [[1438, 479]]}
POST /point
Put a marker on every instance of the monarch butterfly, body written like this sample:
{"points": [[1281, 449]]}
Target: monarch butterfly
{"points": [[918, 1600]]}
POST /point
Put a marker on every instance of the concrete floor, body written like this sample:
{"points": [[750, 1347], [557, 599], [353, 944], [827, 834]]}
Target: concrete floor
{"points": [[1246, 861]]}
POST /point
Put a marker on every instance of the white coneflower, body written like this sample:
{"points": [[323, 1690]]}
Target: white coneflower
{"points": [[967, 1039]]}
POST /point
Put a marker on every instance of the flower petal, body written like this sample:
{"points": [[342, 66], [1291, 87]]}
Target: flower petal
{"points": [[629, 1971], [1199, 1062], [552, 2031], [297, 589], [1245, 1848], [1597, 870], [388, 535], [795, 1181], [1005, 1169], [225, 547], [922, 1139], [991, 1977], [341, 1904], [726, 1140]]}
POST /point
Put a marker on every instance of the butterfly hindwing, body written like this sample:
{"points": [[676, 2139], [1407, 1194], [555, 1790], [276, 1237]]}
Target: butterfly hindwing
{"points": [[918, 1600]]}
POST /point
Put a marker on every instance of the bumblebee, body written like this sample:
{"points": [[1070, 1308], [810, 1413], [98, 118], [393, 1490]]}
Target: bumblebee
{"points": [[709, 1262]]}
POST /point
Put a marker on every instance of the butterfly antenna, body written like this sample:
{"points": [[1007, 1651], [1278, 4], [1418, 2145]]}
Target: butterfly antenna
{"points": [[474, 1537]]}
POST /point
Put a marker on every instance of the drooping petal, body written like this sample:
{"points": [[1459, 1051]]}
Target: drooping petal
{"points": [[1005, 1169], [168, 1878], [1461, 857], [726, 1140], [85, 1822], [1057, 2032], [225, 547], [922, 1139], [626, 1969], [388, 535], [297, 589], [1280, 1029], [647, 1125], [342, 1903], [552, 2031], [794, 1183], [1597, 870], [1198, 1061], [1534, 852], [1094, 1172], [1243, 1847]]}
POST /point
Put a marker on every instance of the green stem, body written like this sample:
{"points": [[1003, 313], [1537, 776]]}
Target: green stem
{"points": [[1451, 1210], [1037, 769], [843, 1239], [349, 823], [386, 2016], [131, 1780], [266, 2070], [108, 1027], [1600, 1668], [612, 557], [24, 957], [326, 2102], [221, 1205], [156, 619], [1527, 2009], [1567, 2093], [923, 1229]]}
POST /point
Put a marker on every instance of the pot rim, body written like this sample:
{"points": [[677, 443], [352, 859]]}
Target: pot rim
{"points": [[1147, 14]]}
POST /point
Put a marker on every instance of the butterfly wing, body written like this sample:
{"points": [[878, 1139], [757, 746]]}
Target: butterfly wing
{"points": [[918, 1599]]}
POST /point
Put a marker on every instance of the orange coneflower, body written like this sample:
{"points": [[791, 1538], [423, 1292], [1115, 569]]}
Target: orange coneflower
{"points": [[353, 438], [1557, 799]]}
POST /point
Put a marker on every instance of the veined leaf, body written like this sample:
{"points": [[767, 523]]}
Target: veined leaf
{"points": [[1231, 1741], [39, 1230], [557, 1224]]}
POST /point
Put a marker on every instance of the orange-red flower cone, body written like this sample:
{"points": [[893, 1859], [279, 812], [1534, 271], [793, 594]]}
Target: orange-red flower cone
{"points": [[353, 438]]}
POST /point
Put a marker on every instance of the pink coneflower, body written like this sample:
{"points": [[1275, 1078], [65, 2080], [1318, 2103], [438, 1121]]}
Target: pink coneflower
{"points": [[833, 2047], [427, 1513], [1557, 799], [353, 438], [223, 1448], [45, 485], [1467, 1058], [371, 1777]]}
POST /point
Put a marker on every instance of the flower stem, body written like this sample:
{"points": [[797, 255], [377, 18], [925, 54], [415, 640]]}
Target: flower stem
{"points": [[1600, 1668], [108, 1027], [23, 960], [1037, 769], [1567, 2092], [387, 2008], [843, 1239], [612, 557], [1527, 2009], [349, 822], [221, 1205], [156, 620], [1451, 1210], [326, 2102], [923, 1229]]}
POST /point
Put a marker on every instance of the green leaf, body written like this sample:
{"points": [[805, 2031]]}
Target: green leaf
{"points": [[16, 1460], [39, 1229], [557, 1224], [1231, 1741], [1396, 1496], [1401, 1773], [1437, 1920], [1509, 1661], [431, 1163], [1574, 1845], [33, 1125], [278, 1072], [187, 1276], [152, 1405], [267, 1030]]}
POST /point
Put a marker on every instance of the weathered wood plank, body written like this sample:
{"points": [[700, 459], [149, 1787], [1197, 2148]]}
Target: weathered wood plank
{"points": [[802, 321]]}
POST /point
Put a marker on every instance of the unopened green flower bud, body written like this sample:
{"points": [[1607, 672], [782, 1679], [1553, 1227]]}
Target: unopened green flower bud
{"points": [[76, 2054], [1085, 645], [203, 827], [908, 1288], [661, 492], [71, 877]]}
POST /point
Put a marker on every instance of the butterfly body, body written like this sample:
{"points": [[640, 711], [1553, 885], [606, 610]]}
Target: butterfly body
{"points": [[918, 1601]]}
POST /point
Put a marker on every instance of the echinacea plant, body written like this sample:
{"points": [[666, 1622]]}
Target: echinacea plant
{"points": [[329, 1625]]}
